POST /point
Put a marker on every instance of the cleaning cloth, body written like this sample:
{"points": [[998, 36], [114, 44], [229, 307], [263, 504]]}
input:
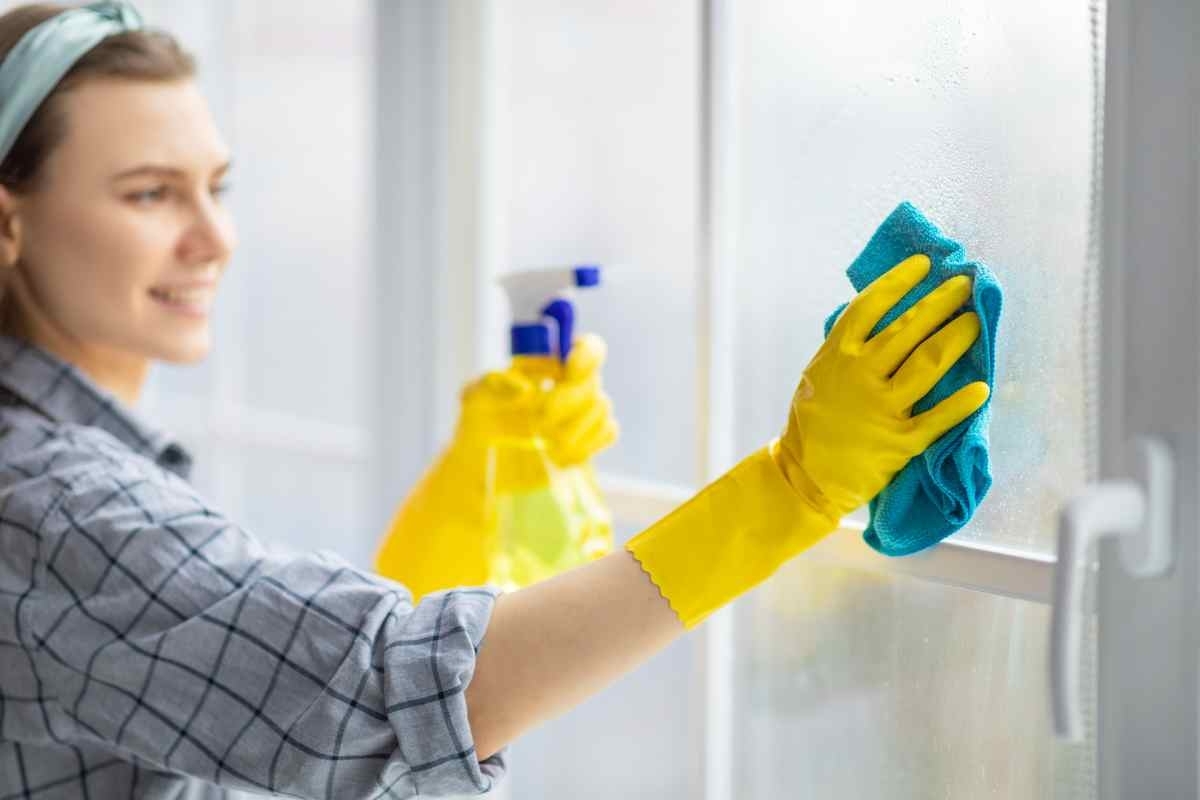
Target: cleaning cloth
{"points": [[937, 492]]}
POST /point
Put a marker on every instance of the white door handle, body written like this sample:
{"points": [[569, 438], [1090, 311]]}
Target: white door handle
{"points": [[1138, 510]]}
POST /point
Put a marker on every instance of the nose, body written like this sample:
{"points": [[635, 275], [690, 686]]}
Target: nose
{"points": [[211, 236]]}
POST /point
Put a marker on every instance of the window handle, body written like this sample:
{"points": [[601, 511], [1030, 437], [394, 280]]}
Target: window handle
{"points": [[1137, 510]]}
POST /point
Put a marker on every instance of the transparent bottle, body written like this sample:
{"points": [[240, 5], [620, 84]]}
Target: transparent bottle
{"points": [[544, 518]]}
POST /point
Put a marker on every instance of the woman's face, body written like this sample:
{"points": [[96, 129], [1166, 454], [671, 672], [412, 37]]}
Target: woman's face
{"points": [[124, 236]]}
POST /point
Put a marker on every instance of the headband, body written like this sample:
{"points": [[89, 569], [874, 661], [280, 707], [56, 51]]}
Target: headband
{"points": [[46, 53]]}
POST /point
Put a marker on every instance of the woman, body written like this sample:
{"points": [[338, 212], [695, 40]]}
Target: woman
{"points": [[150, 647]]}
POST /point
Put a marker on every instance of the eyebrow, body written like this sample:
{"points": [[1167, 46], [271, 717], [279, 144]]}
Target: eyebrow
{"points": [[164, 170]]}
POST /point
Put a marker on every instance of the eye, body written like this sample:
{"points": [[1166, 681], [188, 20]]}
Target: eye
{"points": [[221, 189], [149, 196]]}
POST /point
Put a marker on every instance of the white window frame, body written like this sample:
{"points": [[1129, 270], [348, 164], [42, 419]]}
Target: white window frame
{"points": [[1149, 629]]}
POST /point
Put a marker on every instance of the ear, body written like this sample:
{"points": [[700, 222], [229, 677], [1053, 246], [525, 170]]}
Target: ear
{"points": [[10, 228]]}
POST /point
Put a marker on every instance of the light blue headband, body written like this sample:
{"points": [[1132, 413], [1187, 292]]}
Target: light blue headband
{"points": [[47, 52]]}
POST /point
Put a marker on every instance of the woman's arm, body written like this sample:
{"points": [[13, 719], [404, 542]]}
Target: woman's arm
{"points": [[162, 631], [850, 430], [552, 645]]}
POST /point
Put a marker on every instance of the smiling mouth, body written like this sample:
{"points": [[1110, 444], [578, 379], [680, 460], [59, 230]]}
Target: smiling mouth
{"points": [[193, 302]]}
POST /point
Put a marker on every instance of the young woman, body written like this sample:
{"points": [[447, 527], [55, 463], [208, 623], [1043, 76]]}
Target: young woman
{"points": [[149, 646]]}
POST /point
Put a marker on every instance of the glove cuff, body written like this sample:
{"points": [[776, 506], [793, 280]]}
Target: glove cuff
{"points": [[729, 538]]}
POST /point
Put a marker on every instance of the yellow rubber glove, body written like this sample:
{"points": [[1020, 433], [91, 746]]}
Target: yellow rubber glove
{"points": [[577, 417], [850, 430], [438, 537]]}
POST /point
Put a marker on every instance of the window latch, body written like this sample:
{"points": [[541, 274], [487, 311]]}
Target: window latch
{"points": [[1137, 511]]}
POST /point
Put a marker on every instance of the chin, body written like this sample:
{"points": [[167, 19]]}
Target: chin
{"points": [[184, 350]]}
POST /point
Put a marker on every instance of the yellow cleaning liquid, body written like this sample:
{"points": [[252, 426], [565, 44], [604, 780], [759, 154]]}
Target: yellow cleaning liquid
{"points": [[543, 530], [544, 518]]}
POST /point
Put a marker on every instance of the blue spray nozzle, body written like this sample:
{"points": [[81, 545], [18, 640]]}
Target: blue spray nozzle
{"points": [[543, 295], [530, 339], [587, 275], [563, 312]]}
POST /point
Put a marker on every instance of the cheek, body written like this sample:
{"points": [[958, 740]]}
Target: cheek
{"points": [[104, 249]]}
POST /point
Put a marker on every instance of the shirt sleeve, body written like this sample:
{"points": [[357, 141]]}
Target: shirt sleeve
{"points": [[162, 630]]}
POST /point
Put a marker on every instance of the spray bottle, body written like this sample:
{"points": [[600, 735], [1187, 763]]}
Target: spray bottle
{"points": [[547, 517]]}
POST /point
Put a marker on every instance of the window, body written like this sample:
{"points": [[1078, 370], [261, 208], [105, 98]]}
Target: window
{"points": [[854, 683], [731, 164]]}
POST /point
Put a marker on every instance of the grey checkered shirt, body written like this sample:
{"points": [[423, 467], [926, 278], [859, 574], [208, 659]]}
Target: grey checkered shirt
{"points": [[150, 647]]}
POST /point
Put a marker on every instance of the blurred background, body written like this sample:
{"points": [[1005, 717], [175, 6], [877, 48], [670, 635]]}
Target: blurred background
{"points": [[725, 161]]}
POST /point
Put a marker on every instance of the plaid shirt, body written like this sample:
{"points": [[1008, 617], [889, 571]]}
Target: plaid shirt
{"points": [[150, 647]]}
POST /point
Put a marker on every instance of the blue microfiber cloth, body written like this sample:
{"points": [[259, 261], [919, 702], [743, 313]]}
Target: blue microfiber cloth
{"points": [[936, 493]]}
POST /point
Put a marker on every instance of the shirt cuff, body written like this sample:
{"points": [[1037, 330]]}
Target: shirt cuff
{"points": [[429, 662]]}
